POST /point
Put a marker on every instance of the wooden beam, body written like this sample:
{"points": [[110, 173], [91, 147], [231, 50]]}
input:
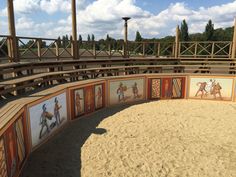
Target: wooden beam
{"points": [[74, 31], [234, 41], [39, 45], [126, 36], [177, 42], [11, 26]]}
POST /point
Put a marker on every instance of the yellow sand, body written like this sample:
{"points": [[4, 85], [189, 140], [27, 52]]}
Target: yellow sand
{"points": [[173, 138]]}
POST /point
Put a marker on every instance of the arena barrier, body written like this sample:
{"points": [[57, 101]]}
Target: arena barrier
{"points": [[27, 123]]}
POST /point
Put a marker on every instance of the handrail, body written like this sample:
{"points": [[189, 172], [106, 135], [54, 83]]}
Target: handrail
{"points": [[27, 75], [37, 48]]}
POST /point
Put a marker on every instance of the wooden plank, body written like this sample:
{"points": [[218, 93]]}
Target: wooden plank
{"points": [[45, 77], [5, 109], [41, 75], [8, 117]]}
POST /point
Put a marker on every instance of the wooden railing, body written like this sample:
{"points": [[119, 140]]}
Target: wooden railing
{"points": [[20, 77], [212, 49], [95, 49], [31, 49], [42, 48], [151, 49], [4, 48]]}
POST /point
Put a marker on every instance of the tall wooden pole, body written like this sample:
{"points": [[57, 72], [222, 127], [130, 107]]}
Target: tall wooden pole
{"points": [[177, 42], [126, 36], [11, 26], [74, 31], [234, 41]]}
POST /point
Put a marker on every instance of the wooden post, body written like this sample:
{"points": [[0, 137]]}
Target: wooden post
{"points": [[57, 50], [11, 26], [9, 49], [39, 44], [159, 49], [109, 49], [213, 50], [144, 49], [195, 50], [177, 42], [126, 36], [94, 49], [234, 41], [74, 31]]}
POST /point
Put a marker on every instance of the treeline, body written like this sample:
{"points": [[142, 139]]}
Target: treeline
{"points": [[210, 34], [114, 44]]}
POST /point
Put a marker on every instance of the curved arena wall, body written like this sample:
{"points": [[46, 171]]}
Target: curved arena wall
{"points": [[27, 123]]}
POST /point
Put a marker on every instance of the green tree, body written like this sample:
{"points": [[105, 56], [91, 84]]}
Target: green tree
{"points": [[108, 39], [30, 43], [66, 40], [88, 38], [63, 41], [136, 48], [184, 36], [80, 40], [93, 37], [59, 41], [43, 44], [138, 37], [71, 40], [209, 31]]}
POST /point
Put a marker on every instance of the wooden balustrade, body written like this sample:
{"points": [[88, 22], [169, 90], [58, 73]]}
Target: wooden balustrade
{"points": [[212, 49], [31, 49]]}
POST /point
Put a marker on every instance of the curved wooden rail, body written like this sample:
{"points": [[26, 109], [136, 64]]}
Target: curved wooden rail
{"points": [[18, 78]]}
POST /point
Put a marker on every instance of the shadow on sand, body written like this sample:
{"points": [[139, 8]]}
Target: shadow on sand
{"points": [[61, 156]]}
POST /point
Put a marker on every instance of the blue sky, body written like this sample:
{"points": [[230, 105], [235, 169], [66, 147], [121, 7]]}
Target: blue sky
{"points": [[153, 18], [155, 6]]}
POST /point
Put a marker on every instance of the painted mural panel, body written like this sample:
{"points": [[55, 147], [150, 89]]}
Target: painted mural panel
{"points": [[46, 117], [20, 140], [210, 88], [10, 140], [3, 165], [79, 102], [123, 91], [177, 87], [155, 88], [166, 88], [99, 96], [89, 99]]}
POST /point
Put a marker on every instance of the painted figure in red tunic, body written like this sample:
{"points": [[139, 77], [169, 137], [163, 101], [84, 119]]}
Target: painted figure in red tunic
{"points": [[99, 97], [135, 90], [78, 106]]}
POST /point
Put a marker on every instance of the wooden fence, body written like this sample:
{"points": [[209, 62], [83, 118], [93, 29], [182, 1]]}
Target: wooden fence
{"points": [[31, 49]]}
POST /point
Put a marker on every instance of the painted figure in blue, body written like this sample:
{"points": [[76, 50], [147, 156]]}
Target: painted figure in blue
{"points": [[43, 120], [121, 92]]}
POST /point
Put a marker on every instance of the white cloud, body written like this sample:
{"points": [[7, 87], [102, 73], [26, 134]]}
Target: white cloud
{"points": [[3, 12], [103, 17], [27, 27], [26, 6], [52, 6]]}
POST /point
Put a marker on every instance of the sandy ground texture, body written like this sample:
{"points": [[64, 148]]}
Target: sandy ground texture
{"points": [[166, 138], [175, 138]]}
